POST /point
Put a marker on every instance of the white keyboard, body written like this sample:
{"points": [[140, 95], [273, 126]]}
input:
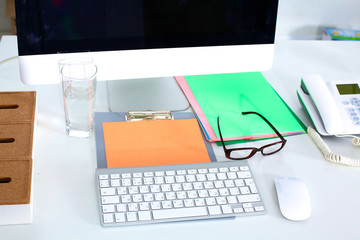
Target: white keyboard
{"points": [[143, 195]]}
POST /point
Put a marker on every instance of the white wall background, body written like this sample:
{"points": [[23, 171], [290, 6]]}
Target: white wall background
{"points": [[305, 19], [297, 19]]}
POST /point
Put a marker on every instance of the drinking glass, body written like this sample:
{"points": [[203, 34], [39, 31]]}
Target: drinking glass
{"points": [[78, 79]]}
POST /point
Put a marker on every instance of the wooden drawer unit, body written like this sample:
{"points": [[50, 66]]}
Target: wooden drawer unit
{"points": [[17, 121]]}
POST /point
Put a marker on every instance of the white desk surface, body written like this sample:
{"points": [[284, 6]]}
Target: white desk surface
{"points": [[65, 205]]}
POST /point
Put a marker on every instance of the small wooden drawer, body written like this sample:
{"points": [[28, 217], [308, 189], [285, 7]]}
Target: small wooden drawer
{"points": [[17, 106], [16, 140], [15, 181]]}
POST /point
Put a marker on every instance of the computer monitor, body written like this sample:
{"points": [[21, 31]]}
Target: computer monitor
{"points": [[145, 38]]}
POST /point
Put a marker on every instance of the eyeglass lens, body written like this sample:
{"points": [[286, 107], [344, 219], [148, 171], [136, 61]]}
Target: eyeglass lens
{"points": [[241, 153], [273, 148], [265, 150]]}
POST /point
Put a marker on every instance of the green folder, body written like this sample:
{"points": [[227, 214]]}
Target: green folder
{"points": [[227, 95]]}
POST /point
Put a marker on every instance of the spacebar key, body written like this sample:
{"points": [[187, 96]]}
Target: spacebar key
{"points": [[179, 213]]}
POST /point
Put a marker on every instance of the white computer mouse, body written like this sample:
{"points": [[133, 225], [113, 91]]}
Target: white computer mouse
{"points": [[294, 199]]}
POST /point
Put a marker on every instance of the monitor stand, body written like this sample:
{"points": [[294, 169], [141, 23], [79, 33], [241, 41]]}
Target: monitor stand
{"points": [[146, 94]]}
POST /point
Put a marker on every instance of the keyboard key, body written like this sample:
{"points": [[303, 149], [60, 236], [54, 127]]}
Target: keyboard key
{"points": [[245, 174], [119, 217], [148, 181], [178, 204], [221, 200], [211, 177], [137, 175], [122, 190], [155, 205], [203, 170], [238, 210], [144, 206], [126, 182], [176, 187], [131, 216], [125, 198], [170, 173], [107, 191], [103, 176], [148, 174], [190, 178], [248, 210], [166, 204], [224, 192], [231, 175], [159, 180], [144, 215], [249, 198], [201, 177], [244, 168], [180, 179], [244, 190], [192, 171], [221, 176], [159, 173], [126, 175], [155, 188], [199, 202], [144, 189], [214, 210], [108, 218], [108, 208], [189, 203], [179, 213], [104, 183], [169, 179], [115, 176], [133, 207], [226, 209], [187, 186], [121, 207], [259, 208], [234, 169], [223, 169], [115, 183], [232, 199], [110, 200], [149, 197], [210, 201]]}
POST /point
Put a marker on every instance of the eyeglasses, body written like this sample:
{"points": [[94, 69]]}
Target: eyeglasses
{"points": [[248, 152]]}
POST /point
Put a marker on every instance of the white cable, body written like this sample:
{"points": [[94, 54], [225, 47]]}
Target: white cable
{"points": [[8, 60], [355, 140], [332, 157]]}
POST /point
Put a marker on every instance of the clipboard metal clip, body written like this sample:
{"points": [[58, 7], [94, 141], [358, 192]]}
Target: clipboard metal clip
{"points": [[148, 115]]}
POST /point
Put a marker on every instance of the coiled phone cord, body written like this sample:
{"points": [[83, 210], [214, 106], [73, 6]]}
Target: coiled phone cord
{"points": [[332, 157]]}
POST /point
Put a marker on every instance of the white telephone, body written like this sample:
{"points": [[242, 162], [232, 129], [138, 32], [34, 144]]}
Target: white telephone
{"points": [[334, 107]]}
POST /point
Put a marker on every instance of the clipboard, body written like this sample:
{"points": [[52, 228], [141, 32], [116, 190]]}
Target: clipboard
{"points": [[108, 117]]}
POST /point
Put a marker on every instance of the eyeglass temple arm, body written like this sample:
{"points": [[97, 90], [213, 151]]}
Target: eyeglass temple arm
{"points": [[221, 138], [273, 128]]}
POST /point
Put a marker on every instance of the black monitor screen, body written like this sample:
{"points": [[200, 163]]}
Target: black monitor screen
{"points": [[52, 26]]}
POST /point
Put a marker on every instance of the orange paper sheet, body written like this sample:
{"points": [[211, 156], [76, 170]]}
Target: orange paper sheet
{"points": [[148, 143]]}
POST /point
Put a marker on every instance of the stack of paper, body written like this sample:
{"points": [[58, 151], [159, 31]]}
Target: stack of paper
{"points": [[227, 95], [157, 142]]}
